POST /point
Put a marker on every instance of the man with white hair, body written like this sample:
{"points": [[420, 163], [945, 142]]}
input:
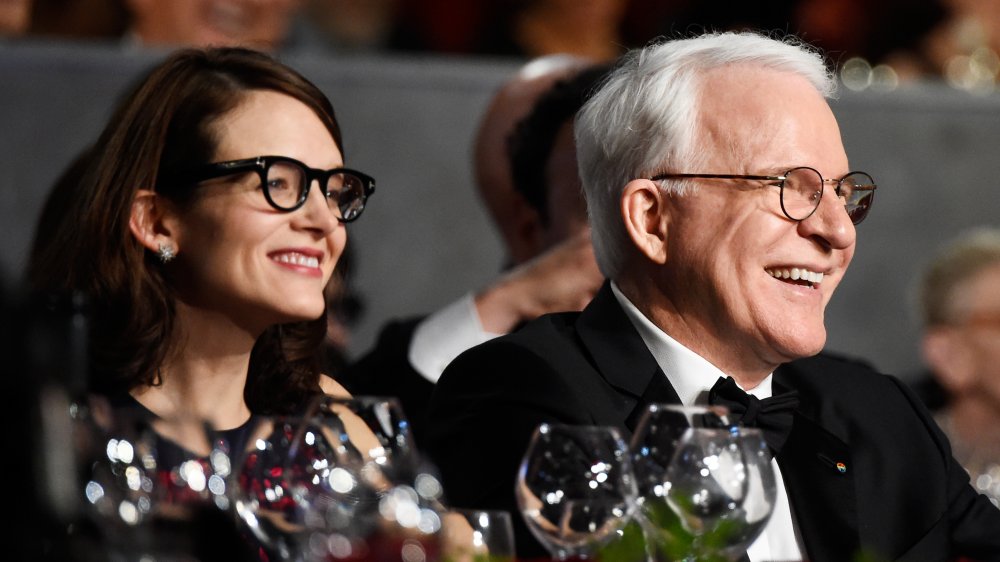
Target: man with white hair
{"points": [[723, 212]]}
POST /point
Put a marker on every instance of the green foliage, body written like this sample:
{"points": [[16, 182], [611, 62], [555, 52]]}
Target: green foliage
{"points": [[629, 546]]}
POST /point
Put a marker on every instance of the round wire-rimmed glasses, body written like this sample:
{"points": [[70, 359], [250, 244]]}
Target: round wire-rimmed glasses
{"points": [[286, 183], [801, 190]]}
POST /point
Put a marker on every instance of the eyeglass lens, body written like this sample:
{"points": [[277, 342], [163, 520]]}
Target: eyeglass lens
{"points": [[803, 187], [287, 183]]}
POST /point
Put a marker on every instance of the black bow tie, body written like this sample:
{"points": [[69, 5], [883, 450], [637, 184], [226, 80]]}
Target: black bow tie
{"points": [[772, 415]]}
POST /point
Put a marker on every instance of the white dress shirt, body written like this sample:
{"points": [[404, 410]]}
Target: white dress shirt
{"points": [[692, 376], [444, 335]]}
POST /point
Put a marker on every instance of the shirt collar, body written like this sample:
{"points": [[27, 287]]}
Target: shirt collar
{"points": [[689, 373]]}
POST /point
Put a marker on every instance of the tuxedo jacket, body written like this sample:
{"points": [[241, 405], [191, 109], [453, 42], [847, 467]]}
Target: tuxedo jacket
{"points": [[901, 497]]}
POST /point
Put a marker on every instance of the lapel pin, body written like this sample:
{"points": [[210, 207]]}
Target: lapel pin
{"points": [[839, 465]]}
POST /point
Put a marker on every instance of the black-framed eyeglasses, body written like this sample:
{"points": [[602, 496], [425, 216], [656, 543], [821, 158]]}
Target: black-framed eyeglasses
{"points": [[286, 182], [801, 190]]}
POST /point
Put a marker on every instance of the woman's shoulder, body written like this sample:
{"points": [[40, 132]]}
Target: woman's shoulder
{"points": [[330, 386]]}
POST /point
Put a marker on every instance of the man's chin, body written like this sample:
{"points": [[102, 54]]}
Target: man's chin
{"points": [[801, 347]]}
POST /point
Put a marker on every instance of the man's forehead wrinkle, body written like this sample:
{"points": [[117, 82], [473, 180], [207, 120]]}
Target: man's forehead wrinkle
{"points": [[724, 140]]}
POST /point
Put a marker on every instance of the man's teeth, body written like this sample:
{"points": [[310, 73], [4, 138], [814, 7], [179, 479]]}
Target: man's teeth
{"points": [[796, 274], [297, 259]]}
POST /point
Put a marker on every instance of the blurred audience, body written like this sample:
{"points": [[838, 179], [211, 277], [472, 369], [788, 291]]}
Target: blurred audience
{"points": [[527, 127], [441, 26], [259, 24], [864, 28], [512, 216], [90, 20], [532, 28], [347, 25], [962, 46], [956, 39], [960, 304], [14, 17]]}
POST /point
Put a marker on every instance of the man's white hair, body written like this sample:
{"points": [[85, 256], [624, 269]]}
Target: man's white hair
{"points": [[643, 118]]}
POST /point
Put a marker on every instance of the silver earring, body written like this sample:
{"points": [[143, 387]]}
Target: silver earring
{"points": [[166, 253]]}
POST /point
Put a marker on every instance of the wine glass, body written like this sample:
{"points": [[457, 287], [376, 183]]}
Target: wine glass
{"points": [[706, 488], [721, 486], [654, 443], [262, 498], [292, 480], [376, 434], [301, 493], [743, 526], [156, 487], [376, 440], [477, 535], [575, 488]]}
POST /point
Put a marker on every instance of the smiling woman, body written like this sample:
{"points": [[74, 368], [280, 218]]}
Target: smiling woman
{"points": [[204, 230]]}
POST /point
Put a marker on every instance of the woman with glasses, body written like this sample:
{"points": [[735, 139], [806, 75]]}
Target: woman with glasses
{"points": [[203, 232]]}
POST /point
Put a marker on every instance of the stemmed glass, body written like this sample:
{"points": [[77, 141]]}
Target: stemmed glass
{"points": [[311, 488], [575, 488], [296, 493], [376, 434], [155, 487], [723, 489], [376, 441], [262, 490], [477, 535], [706, 488]]}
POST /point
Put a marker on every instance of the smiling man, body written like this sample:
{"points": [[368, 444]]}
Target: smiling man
{"points": [[723, 213]]}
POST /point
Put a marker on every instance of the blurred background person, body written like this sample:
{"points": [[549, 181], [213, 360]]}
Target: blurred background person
{"points": [[960, 305], [15, 15], [958, 39], [961, 45], [258, 24], [513, 217], [870, 29], [79, 20], [533, 28], [525, 162], [346, 25]]}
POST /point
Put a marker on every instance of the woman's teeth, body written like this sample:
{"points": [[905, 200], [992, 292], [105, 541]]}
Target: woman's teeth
{"points": [[297, 259]]}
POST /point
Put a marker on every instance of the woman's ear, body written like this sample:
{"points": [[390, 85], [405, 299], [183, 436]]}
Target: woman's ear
{"points": [[151, 224], [642, 206]]}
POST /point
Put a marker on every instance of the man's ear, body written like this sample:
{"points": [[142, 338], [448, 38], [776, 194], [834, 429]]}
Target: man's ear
{"points": [[527, 231], [643, 206], [948, 359], [151, 221]]}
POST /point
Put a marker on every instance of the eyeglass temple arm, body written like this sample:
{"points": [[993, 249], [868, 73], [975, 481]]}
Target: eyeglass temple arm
{"points": [[659, 177]]}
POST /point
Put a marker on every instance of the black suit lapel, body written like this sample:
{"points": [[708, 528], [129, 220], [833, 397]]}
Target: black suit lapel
{"points": [[822, 496], [817, 469], [622, 358], [658, 391]]}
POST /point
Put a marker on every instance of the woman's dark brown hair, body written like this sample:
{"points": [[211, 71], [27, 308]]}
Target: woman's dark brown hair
{"points": [[163, 126]]}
